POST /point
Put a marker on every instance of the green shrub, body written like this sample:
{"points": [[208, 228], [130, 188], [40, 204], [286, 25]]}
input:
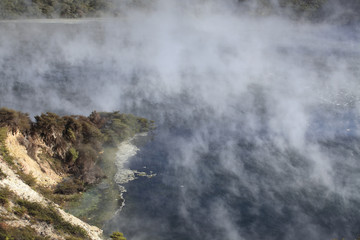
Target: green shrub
{"points": [[91, 134], [60, 199], [29, 179], [71, 134], [15, 120], [73, 238], [68, 228], [3, 134], [5, 195], [4, 152], [51, 216], [16, 233], [19, 210], [3, 200], [70, 186], [49, 126], [2, 174], [72, 155], [10, 9], [38, 211], [117, 236], [118, 126]]}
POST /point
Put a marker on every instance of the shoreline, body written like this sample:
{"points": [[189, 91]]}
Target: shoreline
{"points": [[104, 200], [126, 150]]}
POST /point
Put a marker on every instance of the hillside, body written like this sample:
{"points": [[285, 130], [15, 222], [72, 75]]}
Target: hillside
{"points": [[335, 11], [49, 162], [10, 9], [317, 10]]}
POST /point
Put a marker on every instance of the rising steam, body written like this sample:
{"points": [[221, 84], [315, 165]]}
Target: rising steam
{"points": [[269, 108]]}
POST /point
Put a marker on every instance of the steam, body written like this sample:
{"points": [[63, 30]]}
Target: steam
{"points": [[267, 105]]}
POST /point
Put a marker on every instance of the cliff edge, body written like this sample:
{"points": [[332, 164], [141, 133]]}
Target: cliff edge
{"points": [[49, 162]]}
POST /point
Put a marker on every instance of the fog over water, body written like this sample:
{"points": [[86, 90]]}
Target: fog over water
{"points": [[258, 116]]}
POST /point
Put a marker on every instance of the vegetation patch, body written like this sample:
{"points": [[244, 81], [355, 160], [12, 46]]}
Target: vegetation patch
{"points": [[2, 174], [117, 236], [336, 11], [54, 163], [72, 156], [10, 9], [38, 213], [4, 152], [14, 120], [49, 215], [117, 126], [29, 179], [60, 199], [5, 196], [314, 9], [19, 210], [76, 142], [15, 233], [70, 186], [74, 146]]}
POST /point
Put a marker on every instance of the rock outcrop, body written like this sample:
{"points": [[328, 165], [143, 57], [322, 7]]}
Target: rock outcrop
{"points": [[13, 183], [39, 168]]}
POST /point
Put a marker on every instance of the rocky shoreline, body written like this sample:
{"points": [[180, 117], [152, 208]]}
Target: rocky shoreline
{"points": [[126, 150]]}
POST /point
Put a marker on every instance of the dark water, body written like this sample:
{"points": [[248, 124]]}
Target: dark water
{"points": [[258, 118], [210, 201]]}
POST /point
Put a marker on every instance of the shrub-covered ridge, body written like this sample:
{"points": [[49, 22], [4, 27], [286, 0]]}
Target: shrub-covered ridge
{"points": [[10, 9], [73, 147], [76, 142], [346, 11]]}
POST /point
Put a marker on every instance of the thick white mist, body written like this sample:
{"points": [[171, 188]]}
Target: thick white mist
{"points": [[212, 68]]}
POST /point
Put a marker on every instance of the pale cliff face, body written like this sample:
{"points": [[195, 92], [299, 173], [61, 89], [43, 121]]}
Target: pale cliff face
{"points": [[39, 168], [45, 176]]}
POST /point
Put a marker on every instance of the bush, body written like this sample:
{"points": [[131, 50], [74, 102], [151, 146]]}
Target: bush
{"points": [[5, 195], [10, 9], [49, 126], [72, 156], [19, 210], [51, 216], [3, 200], [117, 236], [4, 152], [91, 134], [68, 228], [38, 211], [58, 198], [76, 141], [2, 174], [29, 179], [70, 186], [118, 127], [16, 233], [73, 238], [15, 120]]}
